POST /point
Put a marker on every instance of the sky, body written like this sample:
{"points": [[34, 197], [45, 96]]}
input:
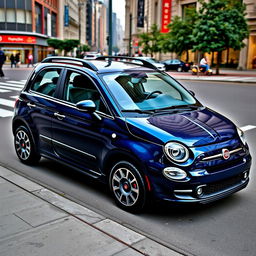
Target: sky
{"points": [[118, 7]]}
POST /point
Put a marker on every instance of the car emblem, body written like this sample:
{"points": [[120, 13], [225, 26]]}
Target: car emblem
{"points": [[225, 153]]}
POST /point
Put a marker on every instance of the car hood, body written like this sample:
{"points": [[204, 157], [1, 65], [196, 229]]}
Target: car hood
{"points": [[194, 128]]}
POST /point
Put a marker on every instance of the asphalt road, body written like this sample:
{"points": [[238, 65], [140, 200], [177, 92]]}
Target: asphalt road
{"points": [[226, 227]]}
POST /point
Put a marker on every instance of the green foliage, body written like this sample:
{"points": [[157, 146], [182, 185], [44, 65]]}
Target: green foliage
{"points": [[85, 48], [221, 25], [180, 38], [69, 44], [150, 41], [55, 43]]}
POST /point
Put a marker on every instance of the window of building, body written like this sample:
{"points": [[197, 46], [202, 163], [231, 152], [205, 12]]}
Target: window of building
{"points": [[38, 18], [2, 15], [21, 16], [54, 25], [46, 11], [185, 7], [28, 17], [10, 15]]}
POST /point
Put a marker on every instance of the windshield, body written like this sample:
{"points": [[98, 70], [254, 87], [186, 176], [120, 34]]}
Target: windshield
{"points": [[144, 91]]}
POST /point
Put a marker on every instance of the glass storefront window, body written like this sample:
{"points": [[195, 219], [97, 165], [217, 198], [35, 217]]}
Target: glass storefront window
{"points": [[10, 15], [21, 16]]}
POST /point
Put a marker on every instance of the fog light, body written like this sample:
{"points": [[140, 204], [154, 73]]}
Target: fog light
{"points": [[200, 191], [174, 173], [245, 175]]}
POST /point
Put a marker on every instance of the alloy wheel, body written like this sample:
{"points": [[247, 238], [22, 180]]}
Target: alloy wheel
{"points": [[125, 187], [22, 145]]}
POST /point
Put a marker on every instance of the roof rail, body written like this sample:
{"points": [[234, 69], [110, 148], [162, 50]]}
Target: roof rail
{"points": [[70, 60], [145, 63]]}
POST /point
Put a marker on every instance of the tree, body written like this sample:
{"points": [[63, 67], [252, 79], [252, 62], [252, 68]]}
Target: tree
{"points": [[221, 25], [180, 38], [150, 41], [55, 43], [69, 44]]}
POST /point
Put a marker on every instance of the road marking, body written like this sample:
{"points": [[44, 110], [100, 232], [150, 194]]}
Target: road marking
{"points": [[14, 97], [16, 82], [13, 89], [5, 113], [2, 90], [247, 128], [13, 85], [9, 103]]}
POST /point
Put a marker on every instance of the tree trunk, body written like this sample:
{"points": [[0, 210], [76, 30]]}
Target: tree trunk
{"points": [[218, 63], [187, 55]]}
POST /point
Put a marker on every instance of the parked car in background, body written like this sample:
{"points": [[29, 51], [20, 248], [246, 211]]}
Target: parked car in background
{"points": [[91, 55], [153, 61], [175, 64]]}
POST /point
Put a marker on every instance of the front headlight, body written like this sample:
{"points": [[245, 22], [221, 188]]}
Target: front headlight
{"points": [[241, 135], [176, 152]]}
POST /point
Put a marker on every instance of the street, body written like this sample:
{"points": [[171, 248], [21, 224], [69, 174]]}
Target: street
{"points": [[226, 227]]}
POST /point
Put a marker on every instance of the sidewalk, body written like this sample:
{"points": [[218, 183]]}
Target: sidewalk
{"points": [[226, 75], [35, 221]]}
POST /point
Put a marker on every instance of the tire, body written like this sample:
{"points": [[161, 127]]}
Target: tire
{"points": [[179, 69], [127, 187], [25, 147]]}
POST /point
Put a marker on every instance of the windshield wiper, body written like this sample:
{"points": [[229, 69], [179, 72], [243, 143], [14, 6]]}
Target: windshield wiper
{"points": [[179, 107], [140, 111]]}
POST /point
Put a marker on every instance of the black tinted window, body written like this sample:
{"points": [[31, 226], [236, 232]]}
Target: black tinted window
{"points": [[46, 81]]}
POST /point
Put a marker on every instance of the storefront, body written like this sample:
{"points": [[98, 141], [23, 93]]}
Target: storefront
{"points": [[23, 45]]}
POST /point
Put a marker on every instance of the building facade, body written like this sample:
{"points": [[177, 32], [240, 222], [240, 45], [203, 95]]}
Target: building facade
{"points": [[25, 27], [141, 14]]}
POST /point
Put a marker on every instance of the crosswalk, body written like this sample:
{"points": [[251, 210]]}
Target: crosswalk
{"points": [[9, 91]]}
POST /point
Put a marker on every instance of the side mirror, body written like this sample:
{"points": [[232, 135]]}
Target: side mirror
{"points": [[86, 105], [192, 93]]}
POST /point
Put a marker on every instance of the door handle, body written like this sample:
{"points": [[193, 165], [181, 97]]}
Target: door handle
{"points": [[31, 105], [59, 116]]}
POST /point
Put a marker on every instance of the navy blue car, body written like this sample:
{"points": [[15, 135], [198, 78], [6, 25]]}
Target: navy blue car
{"points": [[131, 126]]}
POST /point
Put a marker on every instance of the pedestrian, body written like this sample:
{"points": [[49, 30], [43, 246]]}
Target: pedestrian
{"points": [[17, 60], [204, 63], [2, 60], [30, 60], [13, 61]]}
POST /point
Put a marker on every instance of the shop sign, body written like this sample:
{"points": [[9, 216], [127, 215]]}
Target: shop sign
{"points": [[15, 39], [166, 15], [140, 14]]}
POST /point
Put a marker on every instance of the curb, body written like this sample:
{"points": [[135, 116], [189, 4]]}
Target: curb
{"points": [[133, 240]]}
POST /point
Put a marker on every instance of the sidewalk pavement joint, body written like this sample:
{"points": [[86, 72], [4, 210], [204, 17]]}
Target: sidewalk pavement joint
{"points": [[49, 211]]}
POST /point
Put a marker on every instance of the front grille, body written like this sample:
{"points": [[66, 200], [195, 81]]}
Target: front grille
{"points": [[223, 166], [222, 185]]}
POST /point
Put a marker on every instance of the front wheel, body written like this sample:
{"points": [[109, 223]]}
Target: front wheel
{"points": [[127, 187], [24, 146]]}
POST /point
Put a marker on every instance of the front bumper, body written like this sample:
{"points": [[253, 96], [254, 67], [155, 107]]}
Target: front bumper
{"points": [[214, 186]]}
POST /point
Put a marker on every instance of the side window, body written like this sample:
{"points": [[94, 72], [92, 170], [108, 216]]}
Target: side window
{"points": [[46, 81], [80, 87]]}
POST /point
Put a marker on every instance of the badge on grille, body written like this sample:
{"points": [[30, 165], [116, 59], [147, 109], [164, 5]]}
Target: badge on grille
{"points": [[225, 153]]}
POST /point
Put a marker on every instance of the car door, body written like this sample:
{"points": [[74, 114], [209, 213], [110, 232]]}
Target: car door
{"points": [[41, 102], [80, 138]]}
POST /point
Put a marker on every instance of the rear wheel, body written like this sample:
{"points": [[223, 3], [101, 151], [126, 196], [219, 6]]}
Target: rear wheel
{"points": [[127, 186], [24, 146], [179, 69]]}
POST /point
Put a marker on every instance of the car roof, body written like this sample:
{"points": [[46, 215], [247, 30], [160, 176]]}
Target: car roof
{"points": [[103, 64]]}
